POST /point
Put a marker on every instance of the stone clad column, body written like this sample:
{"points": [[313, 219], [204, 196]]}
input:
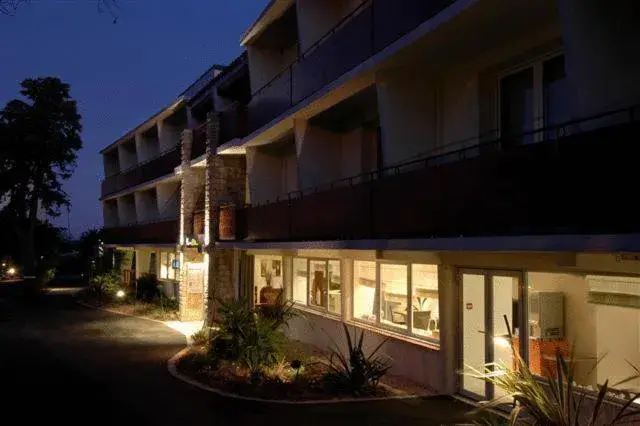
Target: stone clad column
{"points": [[225, 184]]}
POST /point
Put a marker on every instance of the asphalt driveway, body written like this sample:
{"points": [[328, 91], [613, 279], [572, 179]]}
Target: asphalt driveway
{"points": [[63, 362]]}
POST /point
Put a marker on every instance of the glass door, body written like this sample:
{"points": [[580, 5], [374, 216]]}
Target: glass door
{"points": [[489, 301]]}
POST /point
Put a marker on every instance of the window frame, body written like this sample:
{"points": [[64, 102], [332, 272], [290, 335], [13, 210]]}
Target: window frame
{"points": [[537, 66], [309, 305], [378, 324]]}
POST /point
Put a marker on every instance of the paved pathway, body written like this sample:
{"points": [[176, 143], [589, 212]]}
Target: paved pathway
{"points": [[63, 362]]}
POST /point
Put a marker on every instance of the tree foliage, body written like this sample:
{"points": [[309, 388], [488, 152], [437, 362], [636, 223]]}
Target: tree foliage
{"points": [[10, 7], [39, 139]]}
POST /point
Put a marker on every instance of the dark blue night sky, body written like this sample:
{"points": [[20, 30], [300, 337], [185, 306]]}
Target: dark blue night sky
{"points": [[119, 73]]}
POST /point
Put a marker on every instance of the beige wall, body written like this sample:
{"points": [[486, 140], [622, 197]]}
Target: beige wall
{"points": [[127, 154], [168, 200], [146, 205], [169, 135], [269, 176], [110, 213], [127, 209], [407, 106], [265, 64], [579, 316], [319, 156], [318, 17]]}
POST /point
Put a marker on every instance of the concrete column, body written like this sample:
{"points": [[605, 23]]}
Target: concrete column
{"points": [[449, 327], [601, 40]]}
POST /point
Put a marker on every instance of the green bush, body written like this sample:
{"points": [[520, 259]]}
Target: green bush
{"points": [[105, 286], [355, 372], [147, 288], [249, 336], [200, 337]]}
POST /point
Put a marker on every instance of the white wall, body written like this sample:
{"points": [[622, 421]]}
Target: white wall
{"points": [[319, 155], [265, 64], [146, 205], [168, 135], [127, 210], [147, 147], [351, 153], [601, 49], [127, 154], [407, 105], [110, 213], [168, 200], [318, 17], [416, 363], [269, 176], [111, 162]]}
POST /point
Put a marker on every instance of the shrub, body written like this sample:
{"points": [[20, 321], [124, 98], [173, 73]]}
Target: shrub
{"points": [[355, 372], [105, 286], [147, 288], [200, 337], [248, 336]]}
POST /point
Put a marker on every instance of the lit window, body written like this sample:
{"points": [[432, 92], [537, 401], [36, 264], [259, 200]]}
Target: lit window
{"points": [[424, 300], [397, 296], [393, 288], [364, 291], [167, 272], [300, 279], [317, 283]]}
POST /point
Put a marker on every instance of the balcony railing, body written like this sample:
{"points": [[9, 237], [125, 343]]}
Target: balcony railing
{"points": [[159, 166], [166, 231], [199, 145], [233, 122], [369, 29], [572, 178]]}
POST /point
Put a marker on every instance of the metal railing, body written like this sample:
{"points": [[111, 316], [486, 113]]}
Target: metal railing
{"points": [[370, 28], [487, 142]]}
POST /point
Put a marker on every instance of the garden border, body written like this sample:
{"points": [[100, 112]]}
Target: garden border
{"points": [[173, 370]]}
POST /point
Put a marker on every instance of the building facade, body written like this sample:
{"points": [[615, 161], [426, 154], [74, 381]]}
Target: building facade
{"points": [[437, 174]]}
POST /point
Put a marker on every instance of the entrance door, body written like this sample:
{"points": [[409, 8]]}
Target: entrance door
{"points": [[487, 298]]}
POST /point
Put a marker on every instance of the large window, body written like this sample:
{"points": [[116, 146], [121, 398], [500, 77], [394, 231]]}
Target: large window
{"points": [[317, 283], [402, 297], [167, 270], [586, 317], [533, 98], [268, 279]]}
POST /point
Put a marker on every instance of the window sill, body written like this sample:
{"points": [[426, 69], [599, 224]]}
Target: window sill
{"points": [[395, 335], [321, 313]]}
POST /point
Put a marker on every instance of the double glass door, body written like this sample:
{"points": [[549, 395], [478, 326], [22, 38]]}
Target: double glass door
{"points": [[490, 306]]}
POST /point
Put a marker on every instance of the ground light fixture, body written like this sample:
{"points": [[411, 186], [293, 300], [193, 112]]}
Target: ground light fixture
{"points": [[11, 271], [120, 294]]}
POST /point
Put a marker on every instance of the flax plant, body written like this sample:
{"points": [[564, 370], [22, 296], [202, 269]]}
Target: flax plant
{"points": [[549, 401]]}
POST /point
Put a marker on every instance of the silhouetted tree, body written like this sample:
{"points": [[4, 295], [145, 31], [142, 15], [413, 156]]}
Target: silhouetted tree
{"points": [[9, 7], [39, 139]]}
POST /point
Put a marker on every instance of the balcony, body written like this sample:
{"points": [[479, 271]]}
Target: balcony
{"points": [[578, 179], [199, 146], [366, 31], [162, 232], [157, 167], [233, 122]]}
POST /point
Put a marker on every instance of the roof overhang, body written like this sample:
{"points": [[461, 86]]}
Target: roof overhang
{"points": [[274, 10], [164, 113]]}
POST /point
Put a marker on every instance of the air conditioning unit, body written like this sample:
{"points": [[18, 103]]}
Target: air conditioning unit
{"points": [[546, 315]]}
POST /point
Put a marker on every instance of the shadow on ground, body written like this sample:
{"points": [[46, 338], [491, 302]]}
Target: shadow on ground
{"points": [[76, 365]]}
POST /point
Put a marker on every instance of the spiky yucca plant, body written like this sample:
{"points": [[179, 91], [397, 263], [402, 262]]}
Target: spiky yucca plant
{"points": [[558, 402]]}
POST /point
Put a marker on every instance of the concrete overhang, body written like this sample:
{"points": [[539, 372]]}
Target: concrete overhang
{"points": [[274, 10]]}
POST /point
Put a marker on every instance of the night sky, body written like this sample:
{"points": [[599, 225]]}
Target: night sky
{"points": [[120, 73]]}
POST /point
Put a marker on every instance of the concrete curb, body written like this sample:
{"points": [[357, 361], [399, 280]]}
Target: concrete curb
{"points": [[113, 311], [173, 370]]}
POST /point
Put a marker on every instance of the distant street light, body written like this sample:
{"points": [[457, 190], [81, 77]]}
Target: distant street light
{"points": [[11, 271]]}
